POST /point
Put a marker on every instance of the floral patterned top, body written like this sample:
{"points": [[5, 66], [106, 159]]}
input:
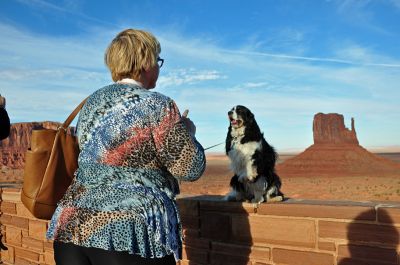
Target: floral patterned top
{"points": [[134, 149]]}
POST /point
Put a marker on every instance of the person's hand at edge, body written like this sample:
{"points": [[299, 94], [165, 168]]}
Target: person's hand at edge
{"points": [[2, 102]]}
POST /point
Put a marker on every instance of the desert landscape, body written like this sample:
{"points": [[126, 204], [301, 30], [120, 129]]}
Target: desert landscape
{"points": [[335, 167], [354, 188]]}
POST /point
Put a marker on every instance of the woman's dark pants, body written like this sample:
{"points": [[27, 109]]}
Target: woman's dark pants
{"points": [[70, 254]]}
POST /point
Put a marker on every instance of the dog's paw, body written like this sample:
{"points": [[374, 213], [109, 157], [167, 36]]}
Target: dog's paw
{"points": [[275, 199], [258, 198]]}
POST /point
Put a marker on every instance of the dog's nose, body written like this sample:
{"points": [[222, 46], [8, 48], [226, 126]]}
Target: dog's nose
{"points": [[230, 112]]}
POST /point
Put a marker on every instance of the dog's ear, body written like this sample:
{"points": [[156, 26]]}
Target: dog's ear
{"points": [[252, 131], [250, 120], [249, 116]]}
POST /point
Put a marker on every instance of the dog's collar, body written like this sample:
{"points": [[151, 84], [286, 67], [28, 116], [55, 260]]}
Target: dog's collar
{"points": [[237, 136], [236, 139]]}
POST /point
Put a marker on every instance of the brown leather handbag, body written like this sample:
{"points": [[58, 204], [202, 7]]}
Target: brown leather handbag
{"points": [[50, 164]]}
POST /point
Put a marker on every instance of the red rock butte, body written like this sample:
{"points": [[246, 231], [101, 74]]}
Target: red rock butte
{"points": [[336, 152]]}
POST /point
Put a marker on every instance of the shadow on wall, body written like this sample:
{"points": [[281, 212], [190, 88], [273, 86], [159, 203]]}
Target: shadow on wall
{"points": [[223, 235], [385, 235]]}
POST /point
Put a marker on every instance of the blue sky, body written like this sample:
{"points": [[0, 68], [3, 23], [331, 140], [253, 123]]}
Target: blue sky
{"points": [[285, 60]]}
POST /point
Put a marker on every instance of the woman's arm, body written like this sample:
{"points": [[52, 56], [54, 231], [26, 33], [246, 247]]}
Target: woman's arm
{"points": [[177, 149]]}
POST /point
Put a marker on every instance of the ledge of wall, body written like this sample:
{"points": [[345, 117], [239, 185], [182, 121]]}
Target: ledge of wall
{"points": [[295, 232]]}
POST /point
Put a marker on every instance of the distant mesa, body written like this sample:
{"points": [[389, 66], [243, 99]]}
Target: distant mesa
{"points": [[336, 152]]}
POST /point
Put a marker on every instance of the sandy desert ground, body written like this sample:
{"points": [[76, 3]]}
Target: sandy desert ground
{"points": [[217, 176], [360, 188]]}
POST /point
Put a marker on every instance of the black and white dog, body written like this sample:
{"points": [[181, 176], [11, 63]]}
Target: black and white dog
{"points": [[252, 160]]}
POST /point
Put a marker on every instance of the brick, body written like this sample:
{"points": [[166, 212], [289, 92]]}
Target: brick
{"points": [[351, 261], [187, 262], [198, 243], [8, 207], [49, 258], [326, 245], [233, 249], [253, 252], [11, 195], [8, 255], [224, 206], [373, 255], [263, 229], [195, 255], [48, 245], [22, 211], [22, 261], [217, 258], [191, 232], [188, 206], [215, 226], [13, 236], [41, 259], [359, 232], [11, 254], [5, 219], [318, 211], [191, 222], [15, 221], [10, 189], [25, 233], [26, 254], [33, 244], [37, 229], [389, 215], [296, 257]]}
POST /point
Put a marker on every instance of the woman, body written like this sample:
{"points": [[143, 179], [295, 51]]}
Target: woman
{"points": [[135, 146]]}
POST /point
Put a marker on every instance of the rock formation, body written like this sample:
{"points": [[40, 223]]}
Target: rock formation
{"points": [[330, 129], [13, 148], [336, 152]]}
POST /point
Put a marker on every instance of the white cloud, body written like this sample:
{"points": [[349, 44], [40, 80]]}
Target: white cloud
{"points": [[191, 76]]}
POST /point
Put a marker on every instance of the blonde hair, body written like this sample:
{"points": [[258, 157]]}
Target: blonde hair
{"points": [[130, 52]]}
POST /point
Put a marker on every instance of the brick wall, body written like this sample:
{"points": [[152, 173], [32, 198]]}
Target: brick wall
{"points": [[295, 232], [23, 234]]}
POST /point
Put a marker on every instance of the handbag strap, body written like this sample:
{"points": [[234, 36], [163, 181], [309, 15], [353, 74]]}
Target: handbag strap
{"points": [[72, 116]]}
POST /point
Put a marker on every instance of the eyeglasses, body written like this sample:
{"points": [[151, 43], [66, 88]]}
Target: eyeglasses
{"points": [[160, 62]]}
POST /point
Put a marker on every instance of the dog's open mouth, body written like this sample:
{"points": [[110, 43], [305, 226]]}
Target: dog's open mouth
{"points": [[234, 122]]}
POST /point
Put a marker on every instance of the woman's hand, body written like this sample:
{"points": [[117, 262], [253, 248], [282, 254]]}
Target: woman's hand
{"points": [[2, 102], [188, 123]]}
